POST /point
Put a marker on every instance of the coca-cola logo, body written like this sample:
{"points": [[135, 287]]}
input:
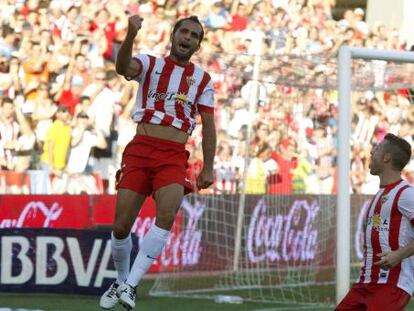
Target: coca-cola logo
{"points": [[34, 214], [183, 248], [290, 237]]}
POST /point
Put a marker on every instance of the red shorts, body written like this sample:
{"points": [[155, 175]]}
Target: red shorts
{"points": [[149, 163], [374, 297]]}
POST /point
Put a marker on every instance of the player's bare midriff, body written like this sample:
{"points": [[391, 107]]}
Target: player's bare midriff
{"points": [[163, 132]]}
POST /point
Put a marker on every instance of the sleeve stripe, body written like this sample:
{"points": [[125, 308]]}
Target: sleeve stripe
{"points": [[206, 108], [204, 81]]}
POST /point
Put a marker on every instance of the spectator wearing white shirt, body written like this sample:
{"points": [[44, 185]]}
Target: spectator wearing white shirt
{"points": [[360, 24], [103, 100], [241, 117], [9, 131], [101, 111], [84, 137]]}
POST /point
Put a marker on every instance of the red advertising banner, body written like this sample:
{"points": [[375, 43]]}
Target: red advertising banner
{"points": [[277, 230], [85, 212], [103, 210], [67, 212], [45, 211]]}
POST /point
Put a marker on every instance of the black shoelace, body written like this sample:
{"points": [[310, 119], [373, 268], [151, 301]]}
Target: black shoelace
{"points": [[113, 292], [131, 292]]}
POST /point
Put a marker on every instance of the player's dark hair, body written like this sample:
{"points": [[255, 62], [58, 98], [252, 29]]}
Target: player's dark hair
{"points": [[6, 100], [43, 4], [79, 55], [111, 74], [73, 7], [399, 149], [6, 30], [193, 19], [83, 98]]}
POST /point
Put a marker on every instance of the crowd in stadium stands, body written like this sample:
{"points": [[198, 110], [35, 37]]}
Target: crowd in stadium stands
{"points": [[64, 110]]}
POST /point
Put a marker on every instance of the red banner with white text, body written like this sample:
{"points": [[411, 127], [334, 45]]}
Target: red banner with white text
{"points": [[82, 212], [45, 211]]}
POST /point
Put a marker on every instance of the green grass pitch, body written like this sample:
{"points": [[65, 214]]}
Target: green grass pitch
{"points": [[54, 302]]}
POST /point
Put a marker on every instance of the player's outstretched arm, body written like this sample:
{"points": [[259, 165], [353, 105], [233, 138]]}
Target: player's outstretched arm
{"points": [[124, 65], [206, 177]]}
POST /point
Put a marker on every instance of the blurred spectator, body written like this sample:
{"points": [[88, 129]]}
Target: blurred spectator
{"points": [[7, 41], [84, 137], [57, 143], [257, 171], [9, 132], [359, 166], [367, 121], [25, 142], [35, 65], [43, 112], [240, 116], [218, 18], [286, 159], [301, 173], [360, 24], [103, 100], [225, 171]]}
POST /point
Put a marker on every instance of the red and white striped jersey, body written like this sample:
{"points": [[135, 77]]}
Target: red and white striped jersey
{"points": [[389, 226], [171, 94]]}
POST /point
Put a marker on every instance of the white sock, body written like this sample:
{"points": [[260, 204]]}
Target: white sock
{"points": [[121, 254], [149, 249]]}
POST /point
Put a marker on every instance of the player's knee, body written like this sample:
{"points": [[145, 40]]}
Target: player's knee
{"points": [[165, 220], [121, 231]]}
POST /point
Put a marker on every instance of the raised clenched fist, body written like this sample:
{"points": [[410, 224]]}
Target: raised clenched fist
{"points": [[134, 23]]}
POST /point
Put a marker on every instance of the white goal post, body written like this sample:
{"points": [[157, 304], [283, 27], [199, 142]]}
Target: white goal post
{"points": [[345, 57]]}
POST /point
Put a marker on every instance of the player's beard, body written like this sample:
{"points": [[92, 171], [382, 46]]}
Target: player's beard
{"points": [[373, 169], [182, 56]]}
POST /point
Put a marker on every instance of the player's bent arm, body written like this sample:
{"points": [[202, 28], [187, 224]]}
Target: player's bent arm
{"points": [[124, 64], [406, 251], [389, 259], [209, 140]]}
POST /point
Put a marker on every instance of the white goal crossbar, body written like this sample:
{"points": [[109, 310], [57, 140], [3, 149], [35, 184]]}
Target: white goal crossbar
{"points": [[343, 235]]}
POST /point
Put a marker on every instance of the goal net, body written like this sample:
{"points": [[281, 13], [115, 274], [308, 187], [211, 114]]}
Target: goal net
{"points": [[254, 235]]}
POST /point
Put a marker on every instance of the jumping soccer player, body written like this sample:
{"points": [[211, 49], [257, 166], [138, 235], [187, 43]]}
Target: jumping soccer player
{"points": [[172, 90]]}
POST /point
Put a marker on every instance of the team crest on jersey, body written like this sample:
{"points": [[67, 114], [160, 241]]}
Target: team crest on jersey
{"points": [[384, 199], [190, 81], [376, 221]]}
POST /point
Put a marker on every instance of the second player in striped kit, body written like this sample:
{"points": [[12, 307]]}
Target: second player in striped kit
{"points": [[386, 280]]}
